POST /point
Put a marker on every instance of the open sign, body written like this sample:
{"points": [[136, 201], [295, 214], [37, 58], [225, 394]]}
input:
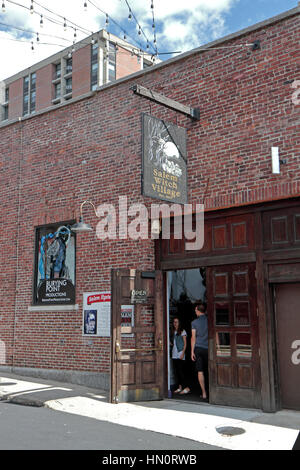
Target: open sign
{"points": [[138, 296]]}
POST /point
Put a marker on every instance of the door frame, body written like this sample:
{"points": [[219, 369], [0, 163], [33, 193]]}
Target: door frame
{"points": [[151, 390], [264, 253], [166, 329]]}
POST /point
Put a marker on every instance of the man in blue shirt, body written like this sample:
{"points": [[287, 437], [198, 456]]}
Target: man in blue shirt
{"points": [[199, 345]]}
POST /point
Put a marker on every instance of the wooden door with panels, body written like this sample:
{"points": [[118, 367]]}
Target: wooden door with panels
{"points": [[137, 336], [287, 310], [234, 363]]}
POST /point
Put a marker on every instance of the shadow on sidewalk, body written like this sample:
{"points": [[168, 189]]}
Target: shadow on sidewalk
{"points": [[19, 392]]}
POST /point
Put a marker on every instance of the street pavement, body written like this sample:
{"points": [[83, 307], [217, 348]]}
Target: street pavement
{"points": [[36, 428], [200, 423]]}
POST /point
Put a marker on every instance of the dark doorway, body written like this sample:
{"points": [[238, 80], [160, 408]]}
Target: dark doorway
{"points": [[185, 288], [287, 310]]}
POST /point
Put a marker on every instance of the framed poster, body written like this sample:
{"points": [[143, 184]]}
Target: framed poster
{"points": [[164, 160], [90, 322], [96, 313], [54, 275], [127, 320]]}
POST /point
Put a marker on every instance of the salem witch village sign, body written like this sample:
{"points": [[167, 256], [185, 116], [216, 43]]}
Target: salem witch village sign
{"points": [[164, 161]]}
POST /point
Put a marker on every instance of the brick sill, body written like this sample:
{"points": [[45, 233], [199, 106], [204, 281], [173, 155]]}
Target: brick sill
{"points": [[52, 308]]}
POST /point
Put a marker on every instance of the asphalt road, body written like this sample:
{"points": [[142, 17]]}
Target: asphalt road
{"points": [[31, 428]]}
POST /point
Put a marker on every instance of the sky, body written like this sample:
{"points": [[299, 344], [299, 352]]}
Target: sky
{"points": [[180, 25]]}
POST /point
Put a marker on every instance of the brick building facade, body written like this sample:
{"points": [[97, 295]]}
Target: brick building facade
{"points": [[90, 149], [95, 61]]}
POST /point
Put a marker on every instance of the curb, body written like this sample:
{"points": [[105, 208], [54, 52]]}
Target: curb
{"points": [[17, 400]]}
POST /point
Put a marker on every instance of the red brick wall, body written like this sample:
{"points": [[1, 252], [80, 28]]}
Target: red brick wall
{"points": [[92, 150], [44, 87], [126, 63], [15, 108], [81, 76], [10, 203]]}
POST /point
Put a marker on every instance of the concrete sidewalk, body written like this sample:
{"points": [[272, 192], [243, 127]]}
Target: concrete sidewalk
{"points": [[200, 422]]}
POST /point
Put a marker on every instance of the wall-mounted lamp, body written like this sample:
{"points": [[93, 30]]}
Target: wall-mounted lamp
{"points": [[81, 226], [256, 45], [276, 161]]}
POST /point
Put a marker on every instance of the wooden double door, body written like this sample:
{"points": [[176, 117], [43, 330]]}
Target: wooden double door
{"points": [[138, 356]]}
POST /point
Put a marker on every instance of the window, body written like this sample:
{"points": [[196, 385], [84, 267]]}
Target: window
{"points": [[69, 65], [57, 90], [147, 64], [94, 66], [33, 80], [94, 49], [243, 345], [223, 344], [32, 101], [29, 94], [57, 71], [5, 112], [32, 92], [4, 107], [54, 277], [112, 62], [25, 95], [222, 313], [68, 86], [94, 76]]}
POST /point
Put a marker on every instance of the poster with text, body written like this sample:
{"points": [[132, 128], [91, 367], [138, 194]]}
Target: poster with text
{"points": [[127, 320], [96, 313]]}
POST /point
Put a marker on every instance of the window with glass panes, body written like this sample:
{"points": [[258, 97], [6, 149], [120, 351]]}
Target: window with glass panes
{"points": [[32, 92], [5, 112], [57, 90], [112, 62], [57, 71], [69, 65], [26, 95], [68, 84], [94, 66]]}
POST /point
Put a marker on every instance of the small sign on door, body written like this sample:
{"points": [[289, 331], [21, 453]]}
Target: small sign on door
{"points": [[127, 320], [138, 296]]}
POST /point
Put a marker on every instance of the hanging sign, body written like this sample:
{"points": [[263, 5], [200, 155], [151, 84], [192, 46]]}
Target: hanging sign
{"points": [[164, 161]]}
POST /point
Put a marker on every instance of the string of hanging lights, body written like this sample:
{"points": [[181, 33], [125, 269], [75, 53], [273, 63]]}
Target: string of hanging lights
{"points": [[140, 29], [66, 23], [154, 27]]}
